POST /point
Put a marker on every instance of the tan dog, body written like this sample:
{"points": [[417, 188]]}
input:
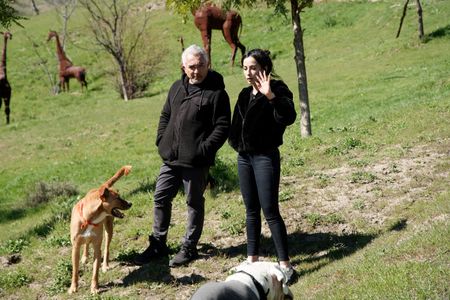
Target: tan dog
{"points": [[253, 281], [89, 216]]}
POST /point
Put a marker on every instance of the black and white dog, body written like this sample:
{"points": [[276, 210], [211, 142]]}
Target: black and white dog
{"points": [[255, 281]]}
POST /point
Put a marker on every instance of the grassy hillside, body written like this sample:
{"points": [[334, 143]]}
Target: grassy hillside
{"points": [[365, 199]]}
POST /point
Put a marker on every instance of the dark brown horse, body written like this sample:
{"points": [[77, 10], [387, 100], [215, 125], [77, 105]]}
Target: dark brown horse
{"points": [[5, 88], [66, 69], [209, 17]]}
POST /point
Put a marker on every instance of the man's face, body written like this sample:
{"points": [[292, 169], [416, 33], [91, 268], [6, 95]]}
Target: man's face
{"points": [[195, 68]]}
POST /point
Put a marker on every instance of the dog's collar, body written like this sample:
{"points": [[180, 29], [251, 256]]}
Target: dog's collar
{"points": [[259, 287], [85, 221]]}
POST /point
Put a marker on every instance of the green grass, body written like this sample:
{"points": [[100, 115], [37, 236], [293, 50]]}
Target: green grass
{"points": [[365, 199]]}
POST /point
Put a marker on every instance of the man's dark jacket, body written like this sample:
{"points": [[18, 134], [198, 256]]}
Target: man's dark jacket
{"points": [[192, 127], [258, 125]]}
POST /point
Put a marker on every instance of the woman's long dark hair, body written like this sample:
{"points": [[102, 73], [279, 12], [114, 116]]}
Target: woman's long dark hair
{"points": [[262, 57]]}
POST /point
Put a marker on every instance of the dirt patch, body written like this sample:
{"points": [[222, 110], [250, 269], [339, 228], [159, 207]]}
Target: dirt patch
{"points": [[369, 194]]}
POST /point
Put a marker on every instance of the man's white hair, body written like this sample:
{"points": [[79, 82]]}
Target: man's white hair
{"points": [[194, 50]]}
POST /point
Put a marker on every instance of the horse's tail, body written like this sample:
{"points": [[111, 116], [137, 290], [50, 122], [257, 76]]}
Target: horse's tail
{"points": [[240, 26]]}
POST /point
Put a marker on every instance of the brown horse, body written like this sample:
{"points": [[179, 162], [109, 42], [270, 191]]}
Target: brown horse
{"points": [[209, 17], [5, 88], [66, 69]]}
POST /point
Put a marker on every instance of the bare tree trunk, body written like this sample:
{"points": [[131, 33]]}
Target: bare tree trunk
{"points": [[123, 80], [305, 121], [65, 11], [35, 8], [108, 25], [419, 13], [43, 63], [403, 17]]}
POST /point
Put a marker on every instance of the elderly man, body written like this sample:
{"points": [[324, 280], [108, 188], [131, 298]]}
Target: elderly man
{"points": [[194, 124]]}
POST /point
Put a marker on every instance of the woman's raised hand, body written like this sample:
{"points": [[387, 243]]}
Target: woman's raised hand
{"points": [[263, 84]]}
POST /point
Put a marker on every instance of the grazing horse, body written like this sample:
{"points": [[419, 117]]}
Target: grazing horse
{"points": [[66, 69], [5, 88], [209, 17]]}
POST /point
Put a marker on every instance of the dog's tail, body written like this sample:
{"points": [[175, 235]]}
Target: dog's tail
{"points": [[123, 171]]}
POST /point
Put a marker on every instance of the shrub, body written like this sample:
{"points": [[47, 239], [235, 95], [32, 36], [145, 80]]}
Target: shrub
{"points": [[15, 246], [14, 279], [344, 147], [315, 219], [45, 192], [362, 177], [286, 195]]}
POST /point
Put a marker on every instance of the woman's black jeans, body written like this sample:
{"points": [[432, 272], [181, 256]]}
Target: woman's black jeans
{"points": [[259, 180]]}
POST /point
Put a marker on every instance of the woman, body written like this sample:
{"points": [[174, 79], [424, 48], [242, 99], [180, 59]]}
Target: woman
{"points": [[262, 112]]}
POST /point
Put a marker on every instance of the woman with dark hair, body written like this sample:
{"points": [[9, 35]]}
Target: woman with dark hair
{"points": [[262, 112]]}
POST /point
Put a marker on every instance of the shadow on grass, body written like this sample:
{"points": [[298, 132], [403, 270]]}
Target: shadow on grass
{"points": [[315, 250], [11, 215], [318, 249], [158, 271], [438, 33], [309, 252]]}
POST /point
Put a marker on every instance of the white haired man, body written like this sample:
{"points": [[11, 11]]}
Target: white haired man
{"points": [[193, 125]]}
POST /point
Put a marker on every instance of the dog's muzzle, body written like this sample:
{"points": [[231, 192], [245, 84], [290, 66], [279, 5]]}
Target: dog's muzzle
{"points": [[117, 213]]}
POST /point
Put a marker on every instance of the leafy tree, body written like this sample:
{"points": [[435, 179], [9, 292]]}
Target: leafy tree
{"points": [[297, 6], [8, 14]]}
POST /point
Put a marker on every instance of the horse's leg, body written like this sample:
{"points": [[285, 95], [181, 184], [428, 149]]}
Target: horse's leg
{"points": [[82, 79], [238, 26], [61, 84], [206, 38], [229, 35], [1, 101], [7, 110]]}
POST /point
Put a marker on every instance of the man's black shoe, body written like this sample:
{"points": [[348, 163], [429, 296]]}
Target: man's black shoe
{"points": [[183, 257], [155, 250]]}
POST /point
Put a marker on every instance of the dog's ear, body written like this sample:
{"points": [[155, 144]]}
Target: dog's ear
{"points": [[103, 192], [281, 277], [276, 271]]}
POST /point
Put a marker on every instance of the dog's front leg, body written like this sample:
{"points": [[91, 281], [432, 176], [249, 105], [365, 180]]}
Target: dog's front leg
{"points": [[108, 225], [96, 265], [75, 266]]}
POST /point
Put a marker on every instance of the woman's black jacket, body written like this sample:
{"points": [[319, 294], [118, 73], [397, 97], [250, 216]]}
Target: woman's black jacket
{"points": [[258, 125], [192, 127]]}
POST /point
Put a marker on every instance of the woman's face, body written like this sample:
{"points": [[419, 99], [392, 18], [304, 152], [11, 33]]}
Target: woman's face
{"points": [[251, 68]]}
